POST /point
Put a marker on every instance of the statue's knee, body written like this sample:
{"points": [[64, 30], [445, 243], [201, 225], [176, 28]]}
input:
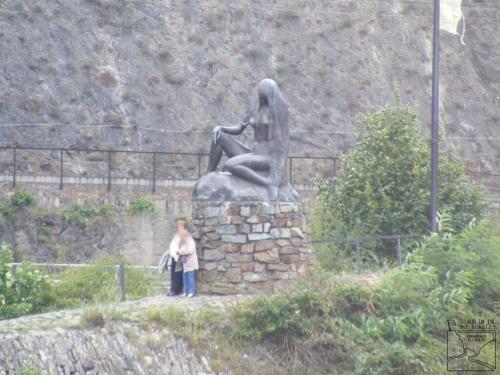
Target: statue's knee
{"points": [[229, 165]]}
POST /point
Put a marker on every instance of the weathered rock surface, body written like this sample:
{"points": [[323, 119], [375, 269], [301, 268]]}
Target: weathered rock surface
{"points": [[174, 65], [40, 343], [224, 187]]}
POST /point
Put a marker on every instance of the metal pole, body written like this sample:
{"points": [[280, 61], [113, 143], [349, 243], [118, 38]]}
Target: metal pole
{"points": [[357, 256], [109, 170], [14, 162], [199, 166], [398, 251], [154, 172], [61, 160], [334, 167], [435, 118], [290, 168], [121, 280]]}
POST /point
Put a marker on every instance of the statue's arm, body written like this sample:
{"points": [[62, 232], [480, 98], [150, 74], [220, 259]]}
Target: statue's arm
{"points": [[232, 130]]}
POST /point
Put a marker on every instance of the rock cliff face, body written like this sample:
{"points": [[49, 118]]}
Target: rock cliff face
{"points": [[148, 70]]}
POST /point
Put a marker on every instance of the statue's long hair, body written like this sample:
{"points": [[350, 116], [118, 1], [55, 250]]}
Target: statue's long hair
{"points": [[281, 133]]}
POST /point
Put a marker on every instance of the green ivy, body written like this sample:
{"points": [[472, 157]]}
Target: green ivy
{"points": [[86, 214]]}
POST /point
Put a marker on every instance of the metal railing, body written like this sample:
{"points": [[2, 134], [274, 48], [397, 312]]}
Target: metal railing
{"points": [[332, 160], [357, 242], [120, 269]]}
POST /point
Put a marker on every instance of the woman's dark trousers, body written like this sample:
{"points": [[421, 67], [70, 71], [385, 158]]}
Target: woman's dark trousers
{"points": [[175, 279]]}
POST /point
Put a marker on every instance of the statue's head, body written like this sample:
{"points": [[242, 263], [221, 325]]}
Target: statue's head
{"points": [[267, 91]]}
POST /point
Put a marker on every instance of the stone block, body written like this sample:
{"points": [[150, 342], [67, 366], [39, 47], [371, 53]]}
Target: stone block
{"points": [[296, 241], [234, 275], [248, 248], [268, 256], [230, 247], [264, 245], [237, 257], [281, 242], [297, 232], [253, 277], [209, 266], [278, 267], [212, 236], [245, 228], [258, 236], [237, 220], [281, 233], [212, 254], [208, 276], [266, 227], [256, 219], [235, 238], [215, 211], [223, 288], [245, 211], [247, 267], [233, 210], [259, 267], [276, 275], [289, 259], [226, 229], [285, 208], [257, 228]]}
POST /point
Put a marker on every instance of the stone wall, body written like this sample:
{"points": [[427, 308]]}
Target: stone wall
{"points": [[250, 247], [141, 239]]}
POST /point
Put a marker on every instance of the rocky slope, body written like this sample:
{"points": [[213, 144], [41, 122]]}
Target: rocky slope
{"points": [[149, 69], [62, 343]]}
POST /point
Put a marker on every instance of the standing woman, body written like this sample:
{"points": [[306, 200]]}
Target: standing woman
{"points": [[176, 284], [189, 259]]}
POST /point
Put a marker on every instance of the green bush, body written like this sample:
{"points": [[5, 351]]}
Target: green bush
{"points": [[25, 291], [100, 284], [86, 214], [22, 199], [384, 186], [393, 327], [142, 205]]}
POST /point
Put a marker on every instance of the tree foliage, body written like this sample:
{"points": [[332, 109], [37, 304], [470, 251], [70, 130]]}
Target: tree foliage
{"points": [[384, 185], [25, 291]]}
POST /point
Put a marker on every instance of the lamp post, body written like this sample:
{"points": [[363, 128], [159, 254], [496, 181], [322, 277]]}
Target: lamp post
{"points": [[435, 118]]}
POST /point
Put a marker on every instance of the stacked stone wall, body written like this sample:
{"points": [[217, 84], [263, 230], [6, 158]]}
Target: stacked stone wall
{"points": [[250, 247]]}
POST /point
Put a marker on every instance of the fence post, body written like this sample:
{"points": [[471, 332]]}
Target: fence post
{"points": [[61, 169], [334, 167], [199, 165], [121, 281], [290, 168], [154, 172], [357, 256], [109, 170], [14, 162], [398, 251]]}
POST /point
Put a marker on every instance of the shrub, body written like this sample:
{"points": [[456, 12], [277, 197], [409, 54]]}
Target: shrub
{"points": [[22, 199], [100, 284], [86, 214], [393, 327], [384, 184], [25, 291], [142, 205]]}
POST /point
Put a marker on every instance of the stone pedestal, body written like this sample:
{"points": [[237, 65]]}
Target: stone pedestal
{"points": [[249, 247]]}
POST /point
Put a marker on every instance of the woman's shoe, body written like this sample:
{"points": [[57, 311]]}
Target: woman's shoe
{"points": [[190, 295], [184, 295]]}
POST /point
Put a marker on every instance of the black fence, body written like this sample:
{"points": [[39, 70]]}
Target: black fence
{"points": [[196, 161], [358, 240]]}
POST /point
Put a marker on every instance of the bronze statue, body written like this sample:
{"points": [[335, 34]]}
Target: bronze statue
{"points": [[264, 163]]}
